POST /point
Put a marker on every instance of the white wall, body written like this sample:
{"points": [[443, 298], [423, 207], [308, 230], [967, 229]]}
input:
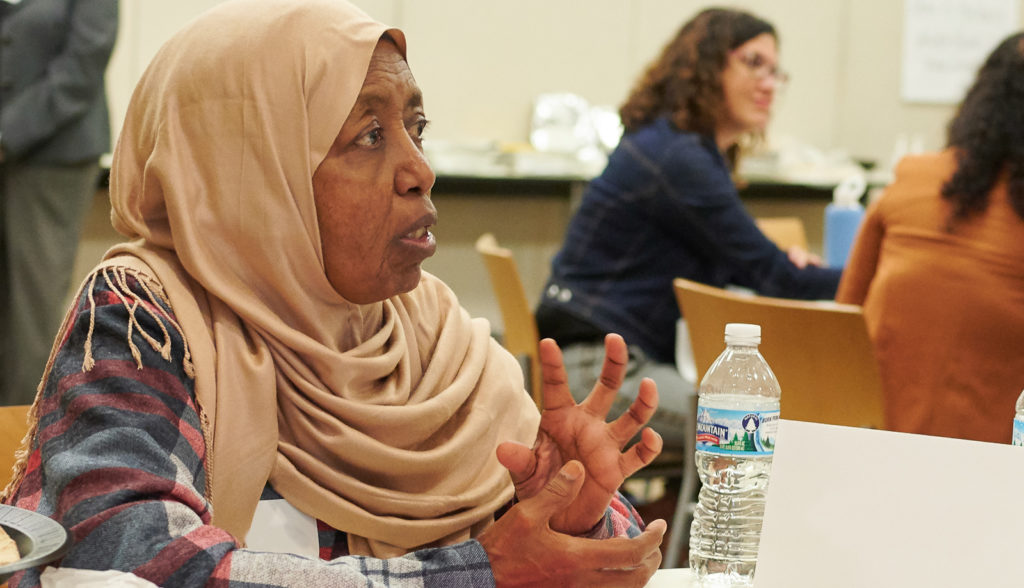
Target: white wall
{"points": [[481, 72], [481, 62]]}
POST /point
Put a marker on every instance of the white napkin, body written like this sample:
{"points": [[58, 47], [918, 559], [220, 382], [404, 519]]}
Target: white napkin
{"points": [[74, 578]]}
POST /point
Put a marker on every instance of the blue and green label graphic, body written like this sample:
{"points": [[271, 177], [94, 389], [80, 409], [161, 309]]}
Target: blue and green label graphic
{"points": [[1018, 431], [731, 432]]}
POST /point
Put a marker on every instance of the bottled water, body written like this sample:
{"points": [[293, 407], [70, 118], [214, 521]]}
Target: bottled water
{"points": [[737, 417], [842, 220], [1018, 422]]}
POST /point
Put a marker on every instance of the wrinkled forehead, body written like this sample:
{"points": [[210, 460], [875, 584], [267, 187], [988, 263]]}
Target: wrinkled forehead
{"points": [[388, 81]]}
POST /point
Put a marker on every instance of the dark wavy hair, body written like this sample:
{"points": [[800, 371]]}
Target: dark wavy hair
{"points": [[685, 81], [988, 134]]}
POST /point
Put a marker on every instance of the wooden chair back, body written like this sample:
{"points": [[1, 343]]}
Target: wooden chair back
{"points": [[784, 231], [520, 334], [13, 426], [819, 351]]}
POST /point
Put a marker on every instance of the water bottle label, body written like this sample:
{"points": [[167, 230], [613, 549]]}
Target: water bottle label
{"points": [[1018, 431], [731, 432]]}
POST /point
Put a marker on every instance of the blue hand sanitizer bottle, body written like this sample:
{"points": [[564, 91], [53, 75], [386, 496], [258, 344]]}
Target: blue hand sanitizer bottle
{"points": [[842, 219]]}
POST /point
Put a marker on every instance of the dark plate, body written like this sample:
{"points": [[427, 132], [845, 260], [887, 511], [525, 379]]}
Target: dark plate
{"points": [[40, 539]]}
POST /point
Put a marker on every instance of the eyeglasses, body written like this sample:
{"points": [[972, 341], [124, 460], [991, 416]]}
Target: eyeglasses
{"points": [[760, 68]]}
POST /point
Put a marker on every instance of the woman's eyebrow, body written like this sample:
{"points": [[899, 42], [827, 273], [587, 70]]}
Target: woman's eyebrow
{"points": [[373, 100], [415, 100], [367, 101]]}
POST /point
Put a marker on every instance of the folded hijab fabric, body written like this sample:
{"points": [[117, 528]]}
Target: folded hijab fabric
{"points": [[379, 419]]}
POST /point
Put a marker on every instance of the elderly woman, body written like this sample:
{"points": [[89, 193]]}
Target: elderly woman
{"points": [[263, 388]]}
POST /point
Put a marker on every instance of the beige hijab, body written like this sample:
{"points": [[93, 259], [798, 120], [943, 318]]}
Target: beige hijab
{"points": [[379, 419]]}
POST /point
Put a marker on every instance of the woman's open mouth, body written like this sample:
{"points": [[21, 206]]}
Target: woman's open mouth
{"points": [[417, 234], [419, 238]]}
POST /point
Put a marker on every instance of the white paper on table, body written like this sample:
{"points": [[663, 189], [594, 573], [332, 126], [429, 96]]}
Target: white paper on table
{"points": [[850, 507], [74, 578], [279, 527]]}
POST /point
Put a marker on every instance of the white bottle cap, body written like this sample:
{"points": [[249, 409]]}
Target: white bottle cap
{"points": [[849, 191], [742, 332]]}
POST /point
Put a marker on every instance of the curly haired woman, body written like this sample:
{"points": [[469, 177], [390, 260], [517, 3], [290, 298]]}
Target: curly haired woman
{"points": [[939, 269], [666, 207]]}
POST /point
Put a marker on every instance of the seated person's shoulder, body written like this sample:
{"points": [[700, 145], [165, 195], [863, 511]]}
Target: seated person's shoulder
{"points": [[120, 286], [662, 133], [925, 165], [677, 152]]}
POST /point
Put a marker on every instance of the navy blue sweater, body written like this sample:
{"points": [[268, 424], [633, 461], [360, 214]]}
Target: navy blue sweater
{"points": [[664, 207]]}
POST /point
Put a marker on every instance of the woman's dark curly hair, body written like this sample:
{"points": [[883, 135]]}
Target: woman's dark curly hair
{"points": [[988, 134], [685, 82]]}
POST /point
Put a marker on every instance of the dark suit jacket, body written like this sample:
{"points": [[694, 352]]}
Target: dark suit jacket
{"points": [[53, 56]]}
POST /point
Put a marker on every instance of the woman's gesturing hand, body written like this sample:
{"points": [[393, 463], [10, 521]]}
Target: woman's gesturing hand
{"points": [[524, 550], [802, 258], [570, 431]]}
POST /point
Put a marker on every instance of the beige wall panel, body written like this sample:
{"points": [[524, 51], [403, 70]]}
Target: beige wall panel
{"points": [[386, 11], [805, 110], [872, 115], [480, 64]]}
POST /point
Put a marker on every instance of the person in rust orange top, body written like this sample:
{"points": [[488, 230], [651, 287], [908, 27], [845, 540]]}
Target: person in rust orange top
{"points": [[938, 266]]}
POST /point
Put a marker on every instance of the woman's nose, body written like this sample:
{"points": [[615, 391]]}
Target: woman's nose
{"points": [[414, 174]]}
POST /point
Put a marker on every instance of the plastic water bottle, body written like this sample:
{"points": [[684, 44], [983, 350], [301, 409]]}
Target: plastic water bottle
{"points": [[737, 420], [842, 219], [1018, 422]]}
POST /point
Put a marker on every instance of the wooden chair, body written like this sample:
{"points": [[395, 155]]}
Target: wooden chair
{"points": [[820, 351], [784, 231], [13, 426], [520, 335]]}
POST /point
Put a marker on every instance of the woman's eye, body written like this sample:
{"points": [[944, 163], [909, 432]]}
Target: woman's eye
{"points": [[421, 127], [372, 137], [417, 130]]}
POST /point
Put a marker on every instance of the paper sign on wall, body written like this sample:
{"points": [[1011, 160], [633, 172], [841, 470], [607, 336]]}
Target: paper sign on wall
{"points": [[945, 41]]}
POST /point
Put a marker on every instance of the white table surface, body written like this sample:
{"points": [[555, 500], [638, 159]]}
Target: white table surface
{"points": [[673, 578]]}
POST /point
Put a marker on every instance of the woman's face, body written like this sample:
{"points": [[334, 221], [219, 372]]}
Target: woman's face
{"points": [[748, 84], [372, 191]]}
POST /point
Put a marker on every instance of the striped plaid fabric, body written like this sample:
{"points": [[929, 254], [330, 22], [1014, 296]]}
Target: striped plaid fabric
{"points": [[119, 459]]}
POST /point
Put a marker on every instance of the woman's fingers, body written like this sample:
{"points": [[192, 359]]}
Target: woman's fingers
{"points": [[643, 453], [613, 370], [554, 380], [620, 561], [640, 411], [518, 459], [802, 258], [525, 551]]}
